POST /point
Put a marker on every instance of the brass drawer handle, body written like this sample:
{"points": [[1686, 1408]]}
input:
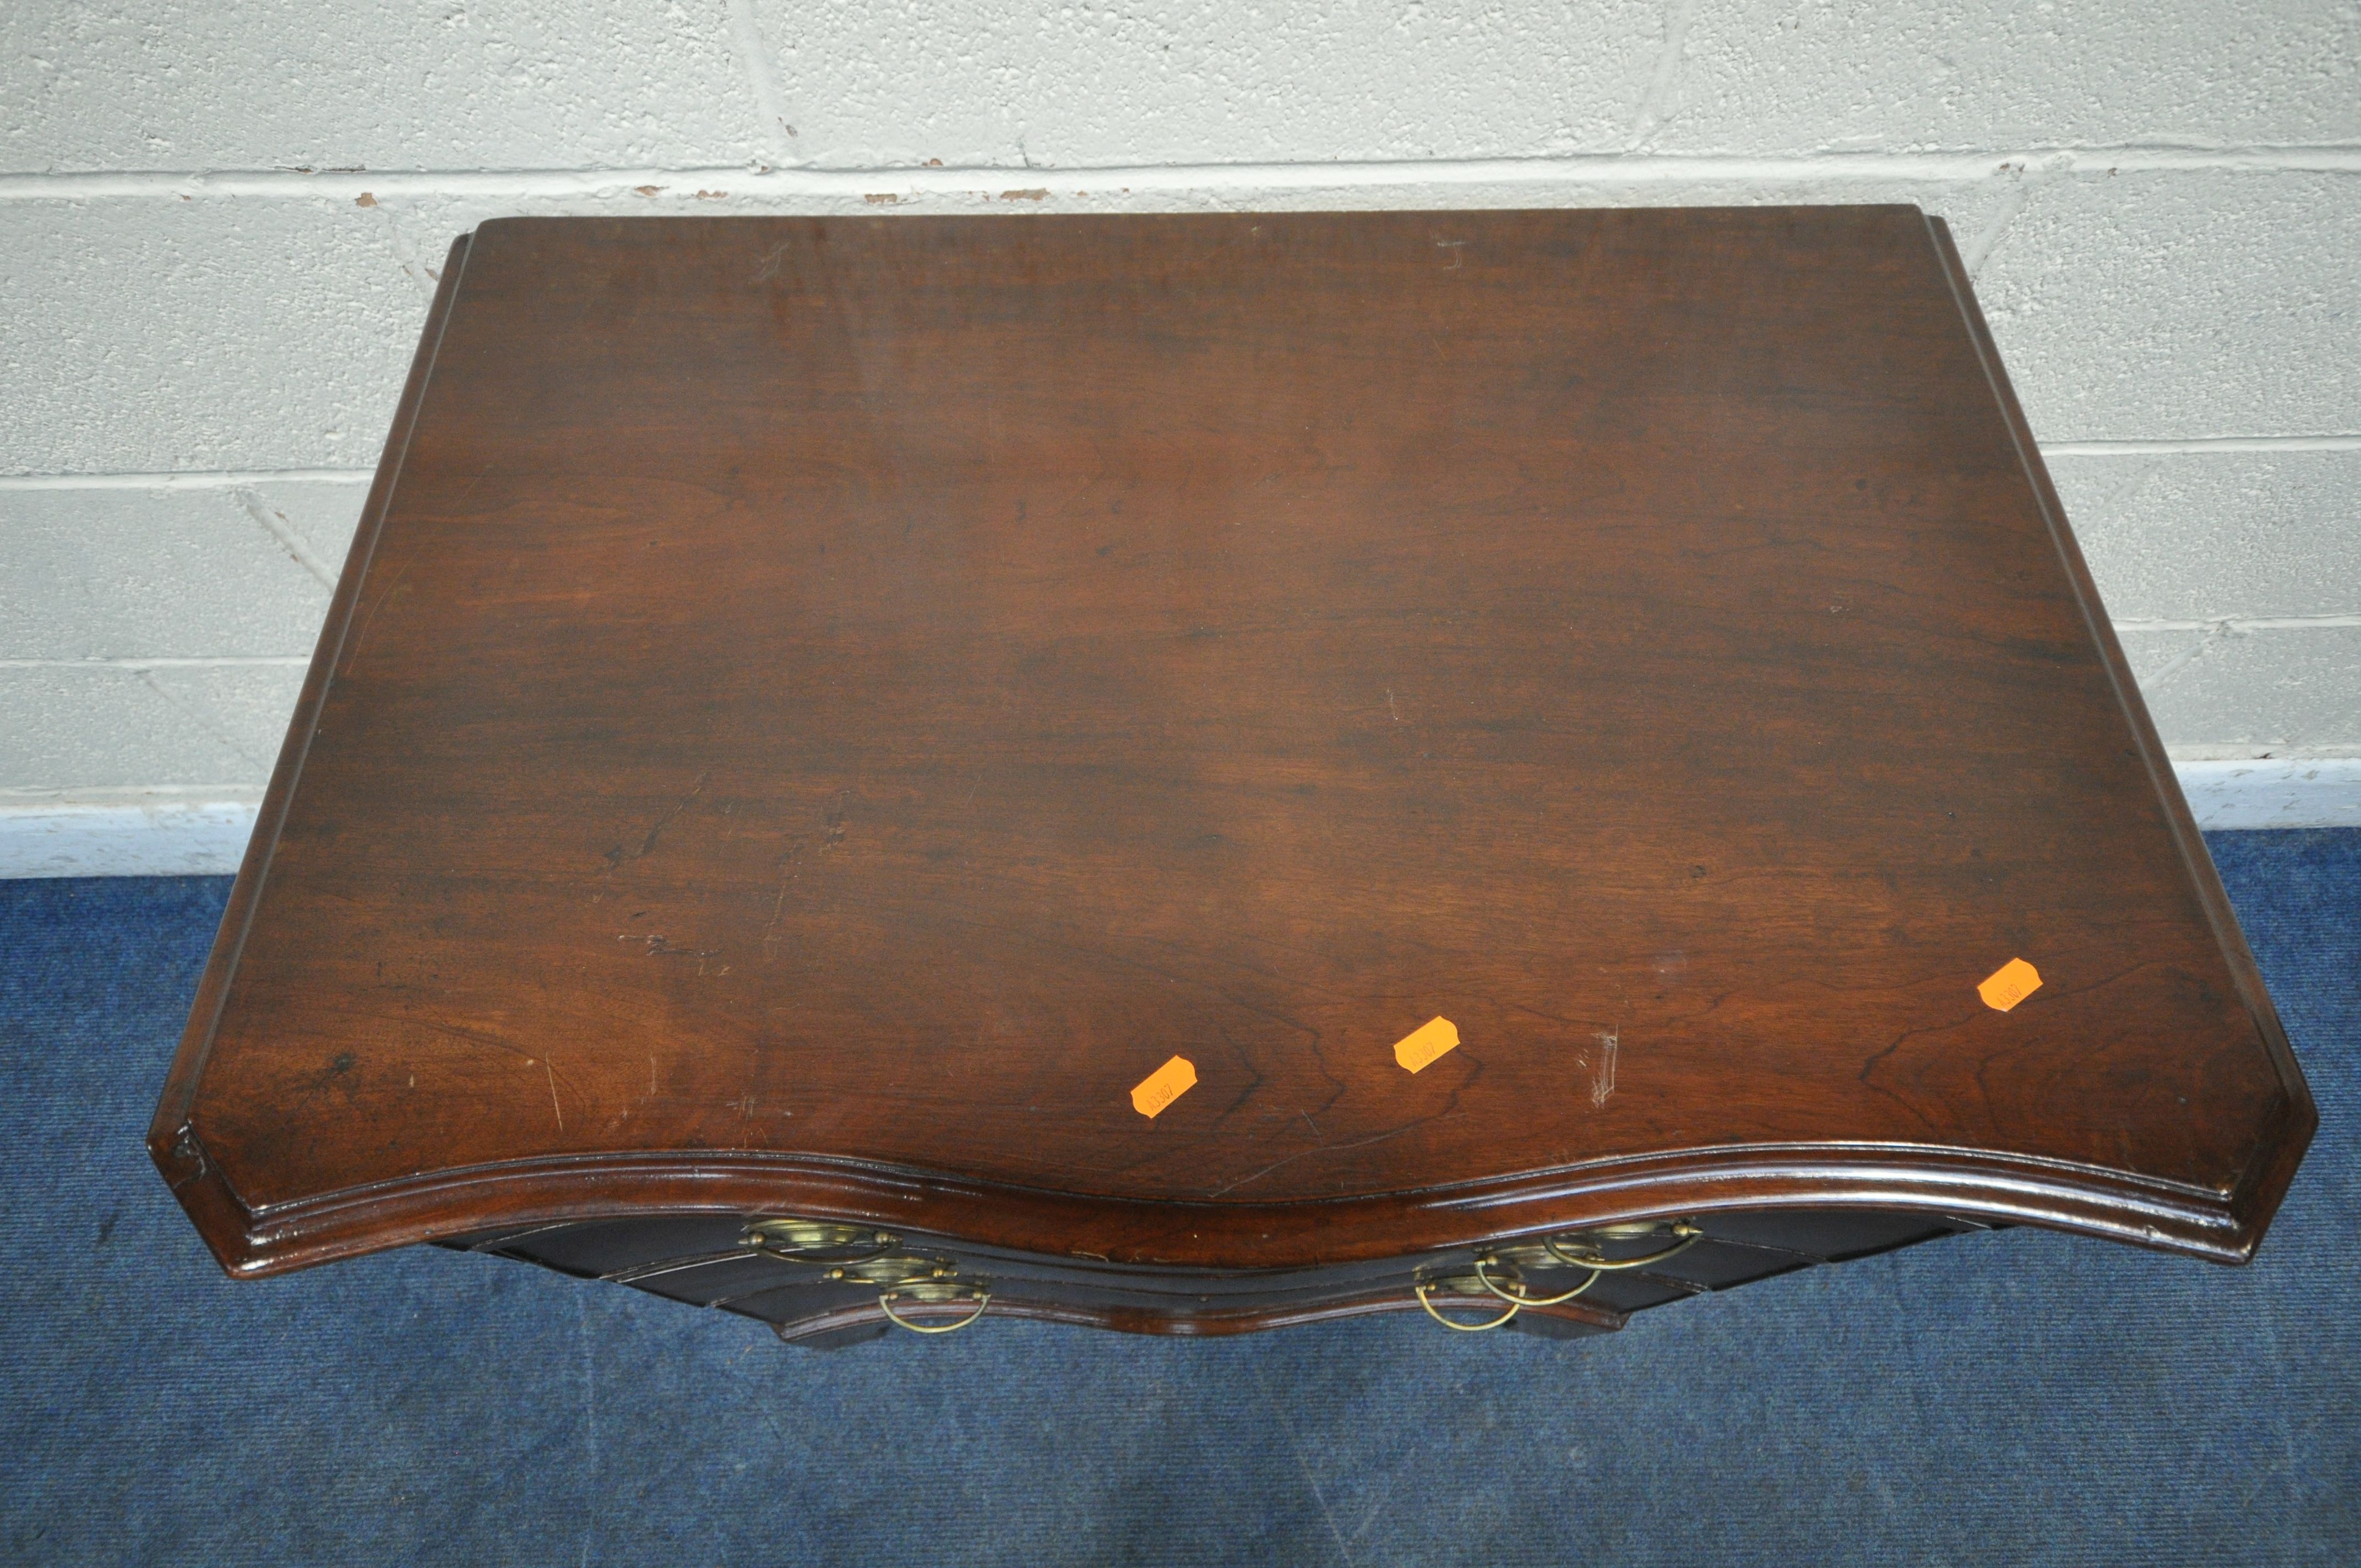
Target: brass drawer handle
{"points": [[1485, 1261], [1588, 1256], [1497, 1270], [852, 1255], [818, 1242], [931, 1291], [1423, 1287], [893, 1270]]}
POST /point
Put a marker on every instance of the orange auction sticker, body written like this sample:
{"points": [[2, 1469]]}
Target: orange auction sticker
{"points": [[2009, 985], [1424, 1044], [1163, 1086]]}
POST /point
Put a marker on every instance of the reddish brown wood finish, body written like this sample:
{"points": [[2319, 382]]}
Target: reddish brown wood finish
{"points": [[817, 709]]}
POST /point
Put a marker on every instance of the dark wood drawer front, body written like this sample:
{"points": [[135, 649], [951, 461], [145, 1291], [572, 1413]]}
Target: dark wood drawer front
{"points": [[602, 1248], [702, 1259], [1832, 1236]]}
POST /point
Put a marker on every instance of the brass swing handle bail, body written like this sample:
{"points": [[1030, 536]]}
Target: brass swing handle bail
{"points": [[1461, 1285], [1486, 1263], [1586, 1246], [1581, 1250], [854, 1254], [928, 1280], [933, 1292]]}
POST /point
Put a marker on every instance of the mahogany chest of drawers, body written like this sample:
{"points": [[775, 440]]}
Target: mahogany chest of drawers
{"points": [[1194, 774]]}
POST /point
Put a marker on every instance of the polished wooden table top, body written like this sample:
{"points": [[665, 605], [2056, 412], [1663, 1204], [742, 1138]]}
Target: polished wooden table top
{"points": [[819, 711]]}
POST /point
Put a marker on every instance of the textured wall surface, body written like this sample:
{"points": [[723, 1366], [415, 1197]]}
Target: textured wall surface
{"points": [[219, 226]]}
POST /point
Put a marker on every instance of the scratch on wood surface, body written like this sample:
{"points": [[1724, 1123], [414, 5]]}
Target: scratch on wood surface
{"points": [[1602, 1077], [648, 844], [660, 947], [554, 1105], [370, 619], [1291, 1159], [470, 490], [779, 904]]}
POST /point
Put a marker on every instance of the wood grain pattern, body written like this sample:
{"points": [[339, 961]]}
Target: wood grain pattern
{"points": [[819, 709]]}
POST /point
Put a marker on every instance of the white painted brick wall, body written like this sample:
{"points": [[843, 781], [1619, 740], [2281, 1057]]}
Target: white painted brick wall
{"points": [[449, 84], [1981, 75], [219, 222]]}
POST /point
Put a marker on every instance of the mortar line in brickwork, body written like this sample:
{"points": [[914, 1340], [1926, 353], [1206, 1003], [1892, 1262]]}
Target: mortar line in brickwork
{"points": [[2233, 625], [2203, 443], [1245, 178], [187, 479], [140, 667]]}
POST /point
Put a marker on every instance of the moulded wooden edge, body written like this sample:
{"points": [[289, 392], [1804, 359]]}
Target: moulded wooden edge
{"points": [[1988, 1186], [1992, 1189]]}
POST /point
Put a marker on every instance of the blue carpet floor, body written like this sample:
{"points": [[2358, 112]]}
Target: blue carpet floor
{"points": [[2011, 1398]]}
